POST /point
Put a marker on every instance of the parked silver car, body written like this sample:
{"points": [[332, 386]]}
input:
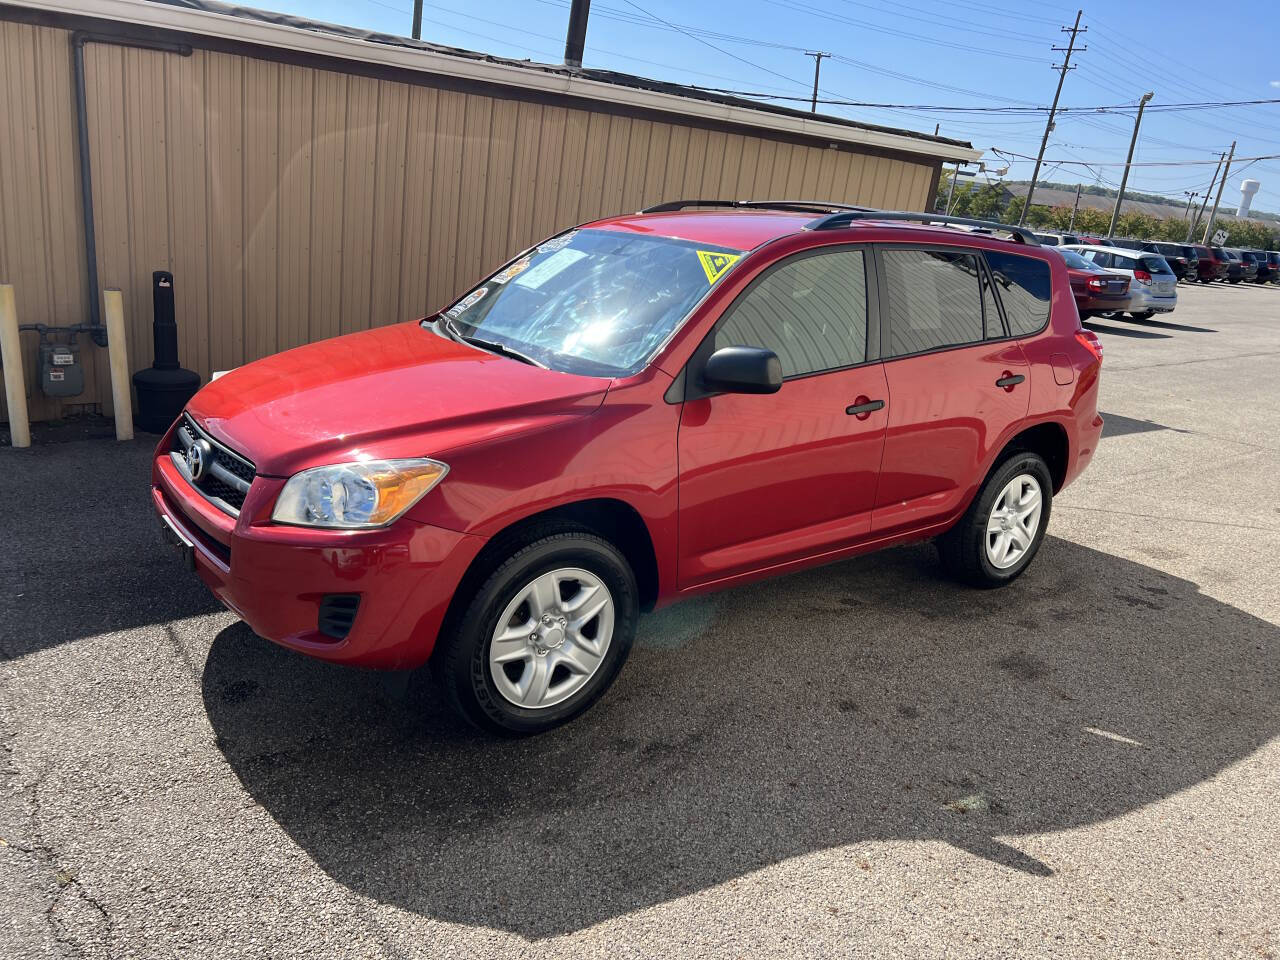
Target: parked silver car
{"points": [[1153, 286]]}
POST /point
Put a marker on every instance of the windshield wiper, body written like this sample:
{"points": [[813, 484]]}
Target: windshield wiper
{"points": [[501, 348], [493, 346]]}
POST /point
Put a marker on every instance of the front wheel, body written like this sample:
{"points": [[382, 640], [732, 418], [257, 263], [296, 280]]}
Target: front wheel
{"points": [[1000, 533], [543, 637]]}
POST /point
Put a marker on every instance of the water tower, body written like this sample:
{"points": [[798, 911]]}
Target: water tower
{"points": [[1247, 189]]}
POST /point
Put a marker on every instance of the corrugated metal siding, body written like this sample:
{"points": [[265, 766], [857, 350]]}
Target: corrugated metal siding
{"points": [[294, 204]]}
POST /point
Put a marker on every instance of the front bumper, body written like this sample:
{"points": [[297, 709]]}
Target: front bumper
{"points": [[275, 577]]}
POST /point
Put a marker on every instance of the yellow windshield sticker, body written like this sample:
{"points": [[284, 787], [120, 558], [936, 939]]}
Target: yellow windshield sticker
{"points": [[716, 264]]}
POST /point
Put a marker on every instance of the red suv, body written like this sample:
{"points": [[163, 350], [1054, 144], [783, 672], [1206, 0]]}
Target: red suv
{"points": [[635, 411]]}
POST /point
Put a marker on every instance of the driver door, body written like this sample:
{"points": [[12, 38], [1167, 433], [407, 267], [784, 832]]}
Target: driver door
{"points": [[770, 479]]}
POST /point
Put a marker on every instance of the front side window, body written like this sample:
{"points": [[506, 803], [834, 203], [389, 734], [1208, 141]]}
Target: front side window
{"points": [[934, 300], [593, 302], [810, 310], [1024, 287]]}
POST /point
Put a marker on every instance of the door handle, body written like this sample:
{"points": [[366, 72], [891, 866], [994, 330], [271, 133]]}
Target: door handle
{"points": [[863, 408], [1010, 380]]}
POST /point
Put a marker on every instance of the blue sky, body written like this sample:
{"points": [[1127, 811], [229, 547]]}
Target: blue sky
{"points": [[933, 52]]}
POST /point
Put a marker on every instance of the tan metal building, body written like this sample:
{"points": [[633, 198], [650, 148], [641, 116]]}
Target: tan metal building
{"points": [[302, 181]]}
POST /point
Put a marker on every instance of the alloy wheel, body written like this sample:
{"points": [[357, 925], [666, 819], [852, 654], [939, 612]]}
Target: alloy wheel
{"points": [[551, 638], [1014, 521]]}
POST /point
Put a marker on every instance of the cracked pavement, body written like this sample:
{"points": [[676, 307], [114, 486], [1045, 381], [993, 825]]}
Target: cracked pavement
{"points": [[859, 760]]}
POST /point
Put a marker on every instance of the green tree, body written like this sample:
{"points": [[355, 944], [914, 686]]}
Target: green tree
{"points": [[940, 198], [1136, 225], [1058, 219], [987, 203], [1250, 234]]}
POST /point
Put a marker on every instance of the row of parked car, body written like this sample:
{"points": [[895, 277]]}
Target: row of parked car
{"points": [[1107, 281], [1189, 262]]}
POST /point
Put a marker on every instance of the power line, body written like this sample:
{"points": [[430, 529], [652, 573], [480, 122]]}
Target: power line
{"points": [[1120, 163], [1119, 108], [708, 43], [797, 7]]}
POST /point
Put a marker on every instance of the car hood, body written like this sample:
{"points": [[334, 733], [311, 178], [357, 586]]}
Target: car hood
{"points": [[397, 391]]}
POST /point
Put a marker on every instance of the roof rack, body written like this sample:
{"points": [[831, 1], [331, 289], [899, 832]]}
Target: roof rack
{"points": [[800, 206], [846, 218]]}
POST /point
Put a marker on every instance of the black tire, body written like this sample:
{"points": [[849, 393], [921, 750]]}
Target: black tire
{"points": [[963, 547], [460, 662], [1143, 315]]}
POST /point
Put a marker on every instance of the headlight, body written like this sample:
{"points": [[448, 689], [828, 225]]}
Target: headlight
{"points": [[372, 493]]}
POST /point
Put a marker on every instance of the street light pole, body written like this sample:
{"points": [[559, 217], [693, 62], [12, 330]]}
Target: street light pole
{"points": [[951, 190], [1124, 179], [417, 20]]}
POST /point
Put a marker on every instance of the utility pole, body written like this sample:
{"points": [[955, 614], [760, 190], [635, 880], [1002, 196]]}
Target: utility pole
{"points": [[817, 67], [1226, 171], [1048, 127], [1075, 209], [1191, 198], [1191, 227], [575, 40], [417, 20], [1124, 179]]}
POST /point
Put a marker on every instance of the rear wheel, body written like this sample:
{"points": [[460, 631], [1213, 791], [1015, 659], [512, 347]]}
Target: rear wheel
{"points": [[543, 637], [1001, 532], [1143, 315]]}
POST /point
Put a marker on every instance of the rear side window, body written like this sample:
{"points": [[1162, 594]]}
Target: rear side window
{"points": [[1024, 288], [934, 300], [1155, 265], [810, 310]]}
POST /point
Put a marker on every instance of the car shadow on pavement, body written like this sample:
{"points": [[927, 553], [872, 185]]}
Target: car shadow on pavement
{"points": [[1124, 331], [83, 556], [869, 700], [1169, 325]]}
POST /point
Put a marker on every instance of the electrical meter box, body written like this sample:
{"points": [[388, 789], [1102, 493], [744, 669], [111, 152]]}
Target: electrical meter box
{"points": [[61, 374]]}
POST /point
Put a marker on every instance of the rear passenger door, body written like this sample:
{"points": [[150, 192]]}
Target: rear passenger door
{"points": [[957, 380]]}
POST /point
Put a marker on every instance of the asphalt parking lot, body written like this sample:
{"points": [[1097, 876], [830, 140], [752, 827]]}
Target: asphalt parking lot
{"points": [[861, 760]]}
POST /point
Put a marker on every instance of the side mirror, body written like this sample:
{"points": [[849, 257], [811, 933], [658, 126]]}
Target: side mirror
{"points": [[743, 370]]}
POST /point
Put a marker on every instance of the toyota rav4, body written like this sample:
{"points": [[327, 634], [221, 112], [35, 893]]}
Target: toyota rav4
{"points": [[635, 411]]}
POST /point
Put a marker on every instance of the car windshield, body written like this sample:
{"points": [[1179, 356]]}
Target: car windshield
{"points": [[592, 302]]}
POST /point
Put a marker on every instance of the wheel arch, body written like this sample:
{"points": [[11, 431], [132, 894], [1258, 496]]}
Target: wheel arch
{"points": [[1048, 439], [615, 520]]}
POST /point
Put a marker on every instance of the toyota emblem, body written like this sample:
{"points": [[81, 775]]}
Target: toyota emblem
{"points": [[196, 454]]}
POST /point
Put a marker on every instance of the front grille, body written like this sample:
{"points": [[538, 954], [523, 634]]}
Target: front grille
{"points": [[223, 475], [337, 614]]}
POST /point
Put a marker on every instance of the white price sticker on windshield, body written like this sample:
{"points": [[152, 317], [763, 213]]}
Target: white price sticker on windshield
{"points": [[559, 261]]}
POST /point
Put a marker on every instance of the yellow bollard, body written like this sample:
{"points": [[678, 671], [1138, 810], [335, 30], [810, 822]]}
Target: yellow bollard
{"points": [[117, 356], [15, 390]]}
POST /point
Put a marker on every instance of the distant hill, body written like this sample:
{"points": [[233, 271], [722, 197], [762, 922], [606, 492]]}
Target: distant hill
{"points": [[1051, 194]]}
